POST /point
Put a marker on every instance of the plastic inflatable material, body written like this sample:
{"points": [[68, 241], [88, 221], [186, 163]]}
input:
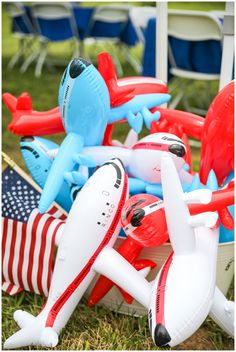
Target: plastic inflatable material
{"points": [[39, 154], [27, 121], [124, 89], [143, 220], [143, 161], [181, 314], [195, 250], [217, 151], [82, 112], [222, 312], [74, 272], [192, 124], [30, 122], [83, 241], [34, 151]]}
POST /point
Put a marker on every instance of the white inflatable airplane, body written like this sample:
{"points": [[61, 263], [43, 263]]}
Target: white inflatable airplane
{"points": [[184, 291]]}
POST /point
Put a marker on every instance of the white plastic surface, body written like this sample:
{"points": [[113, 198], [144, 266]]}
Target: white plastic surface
{"points": [[117, 269], [92, 224], [202, 196], [145, 162], [190, 278], [222, 312], [181, 234]]}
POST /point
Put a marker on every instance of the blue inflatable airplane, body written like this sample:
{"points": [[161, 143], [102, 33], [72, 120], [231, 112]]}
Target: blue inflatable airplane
{"points": [[85, 109]]}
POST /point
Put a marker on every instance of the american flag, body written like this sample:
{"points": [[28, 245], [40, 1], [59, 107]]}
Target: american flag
{"points": [[28, 239]]}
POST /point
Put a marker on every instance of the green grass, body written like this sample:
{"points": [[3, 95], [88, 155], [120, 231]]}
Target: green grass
{"points": [[96, 328]]}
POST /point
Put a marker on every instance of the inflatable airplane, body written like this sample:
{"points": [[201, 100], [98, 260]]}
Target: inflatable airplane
{"points": [[85, 110], [142, 161], [26, 121], [180, 297], [78, 251]]}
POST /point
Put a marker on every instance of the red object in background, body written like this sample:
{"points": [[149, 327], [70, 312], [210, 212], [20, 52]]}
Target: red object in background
{"points": [[150, 230], [217, 151]]}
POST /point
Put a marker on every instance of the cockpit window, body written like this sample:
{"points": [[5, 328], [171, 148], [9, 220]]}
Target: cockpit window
{"points": [[177, 150], [77, 67]]}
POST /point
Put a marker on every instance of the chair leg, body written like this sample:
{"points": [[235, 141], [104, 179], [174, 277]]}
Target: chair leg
{"points": [[185, 98], [176, 86], [186, 104], [173, 104], [131, 59], [18, 55], [81, 48], [41, 59], [76, 51], [116, 60], [29, 60], [118, 66]]}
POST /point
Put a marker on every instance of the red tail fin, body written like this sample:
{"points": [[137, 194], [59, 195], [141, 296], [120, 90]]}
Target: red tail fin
{"points": [[118, 95], [10, 101]]}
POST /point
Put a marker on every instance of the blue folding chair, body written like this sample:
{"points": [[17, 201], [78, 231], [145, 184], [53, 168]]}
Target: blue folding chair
{"points": [[82, 17], [195, 39], [22, 28], [54, 22], [108, 24]]}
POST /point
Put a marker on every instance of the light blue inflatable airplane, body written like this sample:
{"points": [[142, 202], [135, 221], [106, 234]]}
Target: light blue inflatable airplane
{"points": [[85, 109]]}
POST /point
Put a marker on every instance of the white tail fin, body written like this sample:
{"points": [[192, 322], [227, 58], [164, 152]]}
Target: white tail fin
{"points": [[181, 233]]}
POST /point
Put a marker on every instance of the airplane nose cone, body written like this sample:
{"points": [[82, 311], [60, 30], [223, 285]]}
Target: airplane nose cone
{"points": [[161, 336], [77, 66]]}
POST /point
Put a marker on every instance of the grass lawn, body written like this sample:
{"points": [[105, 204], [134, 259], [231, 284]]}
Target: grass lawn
{"points": [[96, 328]]}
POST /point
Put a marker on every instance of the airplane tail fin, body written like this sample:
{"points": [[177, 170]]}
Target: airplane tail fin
{"points": [[32, 332], [118, 95], [10, 101]]}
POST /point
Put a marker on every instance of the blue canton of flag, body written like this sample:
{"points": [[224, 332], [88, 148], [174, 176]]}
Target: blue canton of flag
{"points": [[19, 198]]}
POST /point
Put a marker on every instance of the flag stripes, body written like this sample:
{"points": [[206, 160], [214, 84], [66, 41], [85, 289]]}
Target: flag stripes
{"points": [[27, 252], [29, 238]]}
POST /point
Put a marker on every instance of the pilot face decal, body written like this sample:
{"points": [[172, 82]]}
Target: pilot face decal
{"points": [[147, 154]]}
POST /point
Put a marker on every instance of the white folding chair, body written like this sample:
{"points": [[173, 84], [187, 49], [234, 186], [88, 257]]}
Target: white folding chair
{"points": [[191, 26], [54, 23], [21, 28]]}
